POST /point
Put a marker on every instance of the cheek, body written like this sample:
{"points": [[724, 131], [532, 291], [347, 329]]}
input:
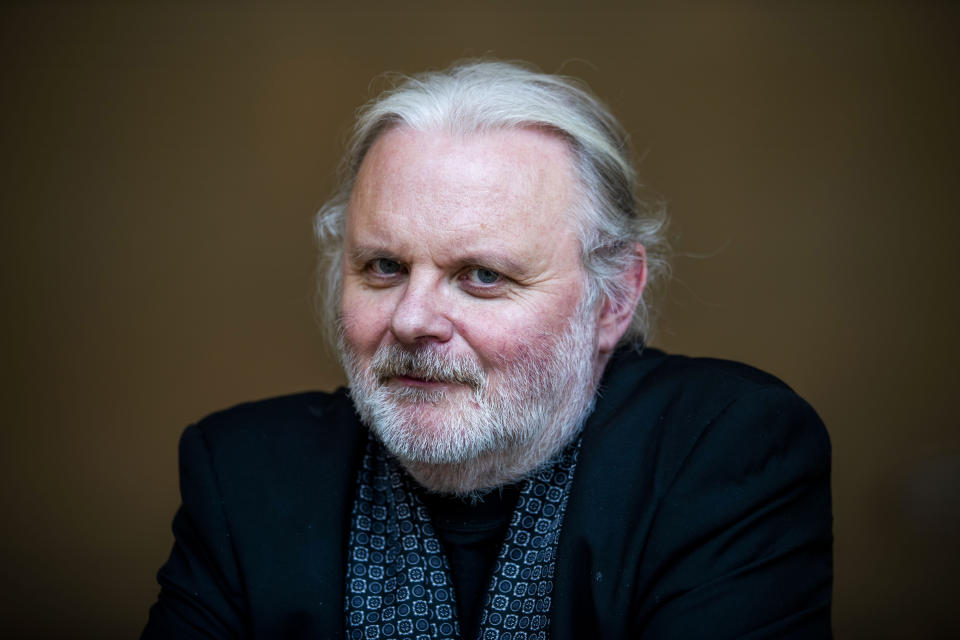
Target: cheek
{"points": [[508, 336], [519, 330], [365, 319]]}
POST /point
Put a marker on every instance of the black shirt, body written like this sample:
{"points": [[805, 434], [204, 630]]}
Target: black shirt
{"points": [[471, 531]]}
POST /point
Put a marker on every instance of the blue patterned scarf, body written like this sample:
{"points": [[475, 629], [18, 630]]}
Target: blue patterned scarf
{"points": [[398, 577]]}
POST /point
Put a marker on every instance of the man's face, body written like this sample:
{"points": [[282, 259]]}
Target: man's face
{"points": [[463, 324]]}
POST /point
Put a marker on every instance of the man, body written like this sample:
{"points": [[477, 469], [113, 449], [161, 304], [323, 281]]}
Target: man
{"points": [[509, 461]]}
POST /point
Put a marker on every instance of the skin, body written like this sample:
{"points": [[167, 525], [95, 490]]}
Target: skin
{"points": [[467, 242]]}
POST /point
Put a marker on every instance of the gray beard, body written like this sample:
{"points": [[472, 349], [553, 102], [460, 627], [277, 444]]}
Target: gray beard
{"points": [[497, 434]]}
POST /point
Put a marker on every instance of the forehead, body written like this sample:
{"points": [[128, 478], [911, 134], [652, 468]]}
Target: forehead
{"points": [[501, 187]]}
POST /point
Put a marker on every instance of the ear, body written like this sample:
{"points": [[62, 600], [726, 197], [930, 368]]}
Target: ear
{"points": [[614, 316]]}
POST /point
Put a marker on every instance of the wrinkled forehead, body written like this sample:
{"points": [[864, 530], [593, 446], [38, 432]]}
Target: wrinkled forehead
{"points": [[528, 172]]}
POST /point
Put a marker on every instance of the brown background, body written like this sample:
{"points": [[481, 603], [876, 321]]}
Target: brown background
{"points": [[161, 164]]}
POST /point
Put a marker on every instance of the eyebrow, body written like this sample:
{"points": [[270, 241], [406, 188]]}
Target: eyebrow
{"points": [[498, 262], [361, 254], [495, 260]]}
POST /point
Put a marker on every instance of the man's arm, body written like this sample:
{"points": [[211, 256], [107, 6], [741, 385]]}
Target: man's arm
{"points": [[201, 593]]}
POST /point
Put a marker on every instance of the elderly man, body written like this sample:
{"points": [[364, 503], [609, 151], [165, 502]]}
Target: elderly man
{"points": [[509, 460]]}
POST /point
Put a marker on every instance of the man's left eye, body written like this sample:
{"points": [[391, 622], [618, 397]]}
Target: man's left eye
{"points": [[385, 267], [480, 275]]}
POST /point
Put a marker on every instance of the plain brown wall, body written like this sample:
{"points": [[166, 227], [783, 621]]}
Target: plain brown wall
{"points": [[161, 165]]}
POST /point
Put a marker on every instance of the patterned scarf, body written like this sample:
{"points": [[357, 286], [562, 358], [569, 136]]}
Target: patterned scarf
{"points": [[398, 577]]}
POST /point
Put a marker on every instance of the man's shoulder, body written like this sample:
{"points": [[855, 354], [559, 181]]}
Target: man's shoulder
{"points": [[654, 383], [291, 410], [659, 407], [281, 428], [266, 488], [663, 372]]}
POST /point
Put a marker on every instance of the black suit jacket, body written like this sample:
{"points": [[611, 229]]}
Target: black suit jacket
{"points": [[700, 509]]}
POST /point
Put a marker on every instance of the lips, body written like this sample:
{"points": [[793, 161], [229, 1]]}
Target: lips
{"points": [[418, 380], [415, 380]]}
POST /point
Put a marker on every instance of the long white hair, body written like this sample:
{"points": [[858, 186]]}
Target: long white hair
{"points": [[479, 95]]}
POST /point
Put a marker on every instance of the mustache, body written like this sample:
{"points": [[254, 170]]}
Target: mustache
{"points": [[426, 364]]}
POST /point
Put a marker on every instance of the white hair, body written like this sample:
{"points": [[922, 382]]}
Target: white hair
{"points": [[478, 96]]}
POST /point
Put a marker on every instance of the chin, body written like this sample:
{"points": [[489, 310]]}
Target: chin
{"points": [[435, 432]]}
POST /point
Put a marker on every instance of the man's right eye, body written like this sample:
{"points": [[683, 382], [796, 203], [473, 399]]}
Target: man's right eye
{"points": [[385, 267]]}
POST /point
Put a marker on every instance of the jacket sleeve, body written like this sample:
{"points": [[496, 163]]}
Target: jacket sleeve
{"points": [[201, 592], [742, 546]]}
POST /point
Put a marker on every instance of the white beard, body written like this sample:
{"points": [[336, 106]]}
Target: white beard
{"points": [[496, 433]]}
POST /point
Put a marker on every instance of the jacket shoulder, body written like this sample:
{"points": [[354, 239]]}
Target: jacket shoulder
{"points": [[656, 371], [652, 390], [657, 413], [262, 445], [266, 492], [293, 419]]}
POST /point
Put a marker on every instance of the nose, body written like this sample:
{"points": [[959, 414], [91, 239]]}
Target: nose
{"points": [[421, 314]]}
